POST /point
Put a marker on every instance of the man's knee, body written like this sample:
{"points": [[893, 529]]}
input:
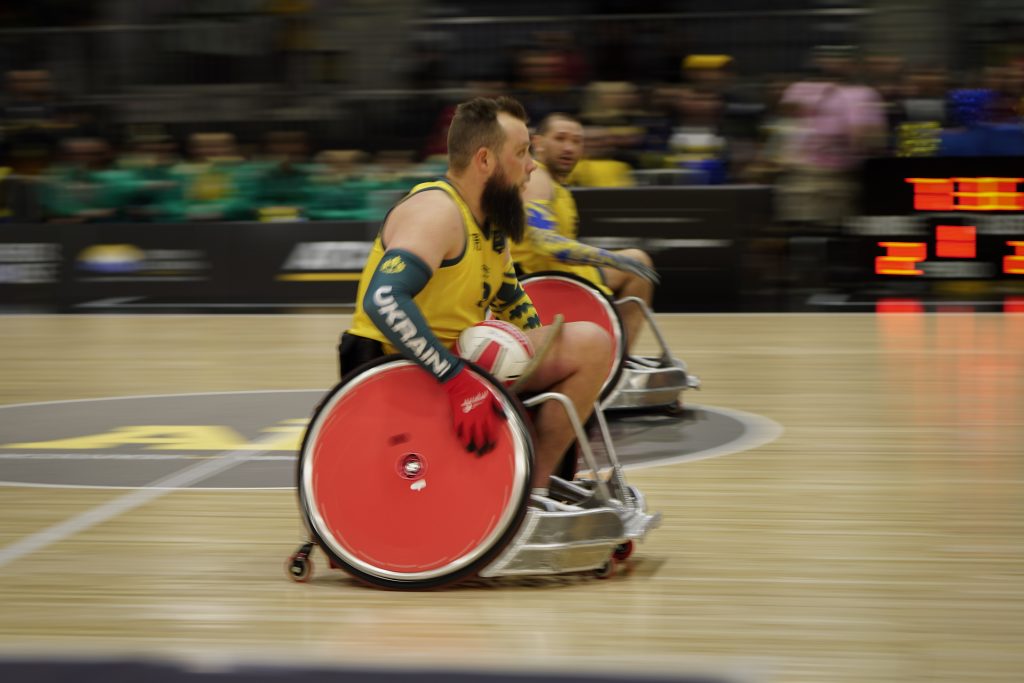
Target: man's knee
{"points": [[588, 342], [639, 255]]}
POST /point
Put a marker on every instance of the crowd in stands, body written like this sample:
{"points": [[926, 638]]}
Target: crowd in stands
{"points": [[806, 135]]}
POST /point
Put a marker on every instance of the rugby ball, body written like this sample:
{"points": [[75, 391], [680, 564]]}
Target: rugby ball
{"points": [[498, 347]]}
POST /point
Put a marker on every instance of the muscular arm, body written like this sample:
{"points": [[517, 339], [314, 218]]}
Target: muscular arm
{"points": [[545, 239], [419, 234], [512, 304]]}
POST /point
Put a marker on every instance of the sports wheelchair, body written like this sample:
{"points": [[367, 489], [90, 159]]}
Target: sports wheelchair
{"points": [[390, 495], [633, 383]]}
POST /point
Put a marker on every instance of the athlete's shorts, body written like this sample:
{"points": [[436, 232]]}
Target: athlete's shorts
{"points": [[354, 350]]}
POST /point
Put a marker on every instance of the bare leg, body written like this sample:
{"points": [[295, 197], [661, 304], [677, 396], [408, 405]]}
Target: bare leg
{"points": [[576, 365], [625, 284]]}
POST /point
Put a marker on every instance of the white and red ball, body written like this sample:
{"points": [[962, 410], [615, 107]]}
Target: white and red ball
{"points": [[498, 347]]}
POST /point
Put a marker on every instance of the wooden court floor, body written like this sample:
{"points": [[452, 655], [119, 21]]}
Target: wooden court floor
{"points": [[880, 538]]}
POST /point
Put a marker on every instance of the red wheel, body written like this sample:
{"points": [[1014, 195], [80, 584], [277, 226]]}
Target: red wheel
{"points": [[623, 551], [555, 292], [390, 493]]}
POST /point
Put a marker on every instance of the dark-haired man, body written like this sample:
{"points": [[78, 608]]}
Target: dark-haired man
{"points": [[441, 260], [550, 241]]}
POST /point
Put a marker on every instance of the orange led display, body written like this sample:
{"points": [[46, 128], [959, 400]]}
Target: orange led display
{"points": [[1014, 263], [955, 241], [901, 258], [967, 194], [933, 194]]}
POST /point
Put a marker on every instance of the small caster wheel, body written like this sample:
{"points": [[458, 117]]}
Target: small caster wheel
{"points": [[674, 409], [606, 570], [300, 567], [623, 551]]}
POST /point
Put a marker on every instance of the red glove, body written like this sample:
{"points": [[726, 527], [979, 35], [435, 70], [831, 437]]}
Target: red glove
{"points": [[475, 411]]}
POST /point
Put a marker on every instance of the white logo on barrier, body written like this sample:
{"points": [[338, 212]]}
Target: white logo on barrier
{"points": [[29, 263], [328, 256]]}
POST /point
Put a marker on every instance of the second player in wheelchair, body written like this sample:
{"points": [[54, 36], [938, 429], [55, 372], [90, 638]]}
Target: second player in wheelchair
{"points": [[439, 263], [564, 275]]}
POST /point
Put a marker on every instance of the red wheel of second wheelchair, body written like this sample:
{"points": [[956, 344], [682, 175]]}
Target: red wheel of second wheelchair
{"points": [[575, 298], [389, 492]]}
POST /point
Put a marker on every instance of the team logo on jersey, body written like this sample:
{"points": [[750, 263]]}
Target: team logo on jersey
{"points": [[395, 264], [477, 244]]}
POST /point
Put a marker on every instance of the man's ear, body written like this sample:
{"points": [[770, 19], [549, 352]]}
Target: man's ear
{"points": [[484, 160]]}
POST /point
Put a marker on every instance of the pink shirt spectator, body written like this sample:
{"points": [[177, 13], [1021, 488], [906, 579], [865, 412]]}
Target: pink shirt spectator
{"points": [[835, 123]]}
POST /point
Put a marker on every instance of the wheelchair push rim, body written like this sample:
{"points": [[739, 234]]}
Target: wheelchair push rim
{"points": [[390, 494]]}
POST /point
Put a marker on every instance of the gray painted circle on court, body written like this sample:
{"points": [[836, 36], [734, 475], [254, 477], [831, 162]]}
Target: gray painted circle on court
{"points": [[138, 441]]}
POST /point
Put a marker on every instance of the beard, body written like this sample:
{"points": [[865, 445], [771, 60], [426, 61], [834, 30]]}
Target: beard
{"points": [[502, 203]]}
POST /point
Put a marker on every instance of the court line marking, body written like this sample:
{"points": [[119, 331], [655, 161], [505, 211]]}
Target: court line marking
{"points": [[118, 506], [190, 393], [42, 455], [758, 431]]}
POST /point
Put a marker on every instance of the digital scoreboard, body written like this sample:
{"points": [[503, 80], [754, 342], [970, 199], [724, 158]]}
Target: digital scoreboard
{"points": [[942, 218]]}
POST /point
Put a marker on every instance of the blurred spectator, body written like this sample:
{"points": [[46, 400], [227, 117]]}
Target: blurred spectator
{"points": [[283, 188], [609, 103], [83, 187], [150, 158], [339, 189], [986, 120], [696, 143], [742, 107], [613, 110], [215, 184], [655, 118], [599, 166], [779, 135], [922, 113], [884, 73], [542, 82], [839, 124]]}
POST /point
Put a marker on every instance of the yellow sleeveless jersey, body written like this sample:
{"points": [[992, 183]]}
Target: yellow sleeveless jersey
{"points": [[459, 292], [532, 260]]}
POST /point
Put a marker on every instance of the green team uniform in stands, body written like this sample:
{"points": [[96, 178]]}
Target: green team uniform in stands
{"points": [[218, 190], [69, 191], [283, 193]]}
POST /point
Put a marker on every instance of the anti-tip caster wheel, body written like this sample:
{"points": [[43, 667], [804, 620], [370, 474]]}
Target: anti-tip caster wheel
{"points": [[606, 570], [300, 566], [623, 551]]}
